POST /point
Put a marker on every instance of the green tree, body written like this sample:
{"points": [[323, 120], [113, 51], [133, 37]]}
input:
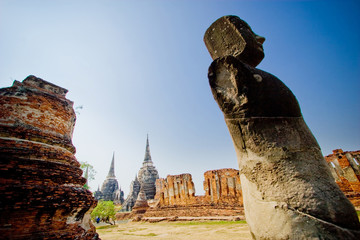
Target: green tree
{"points": [[90, 170], [105, 210]]}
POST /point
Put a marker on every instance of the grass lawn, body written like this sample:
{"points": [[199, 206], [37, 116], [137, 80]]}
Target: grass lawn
{"points": [[209, 230], [194, 230]]}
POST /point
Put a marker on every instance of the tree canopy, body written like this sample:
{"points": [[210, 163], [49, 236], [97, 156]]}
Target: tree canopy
{"points": [[105, 210], [91, 172]]}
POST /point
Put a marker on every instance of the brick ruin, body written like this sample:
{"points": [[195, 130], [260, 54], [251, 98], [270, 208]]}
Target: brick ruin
{"points": [[176, 190], [41, 187], [41, 193], [175, 196], [345, 169], [141, 205]]}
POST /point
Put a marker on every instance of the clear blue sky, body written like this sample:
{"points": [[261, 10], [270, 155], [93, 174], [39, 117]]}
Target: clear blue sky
{"points": [[140, 67]]}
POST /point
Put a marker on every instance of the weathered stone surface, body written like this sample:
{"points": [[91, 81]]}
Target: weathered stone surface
{"points": [[175, 190], [175, 196], [196, 210], [145, 179], [110, 188], [148, 174], [236, 39], [346, 171], [133, 194], [41, 188], [141, 204], [119, 197], [223, 187], [288, 189]]}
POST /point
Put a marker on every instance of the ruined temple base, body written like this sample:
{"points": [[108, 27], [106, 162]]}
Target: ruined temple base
{"points": [[187, 213], [194, 212], [175, 218], [122, 216], [354, 199]]}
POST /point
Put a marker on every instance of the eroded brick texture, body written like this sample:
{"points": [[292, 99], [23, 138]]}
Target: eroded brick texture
{"points": [[41, 193], [345, 169], [141, 203], [175, 190], [223, 186], [176, 196]]}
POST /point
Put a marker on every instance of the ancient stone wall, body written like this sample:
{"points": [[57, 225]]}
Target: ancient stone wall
{"points": [[223, 186], [41, 188], [175, 190], [345, 169], [175, 196]]}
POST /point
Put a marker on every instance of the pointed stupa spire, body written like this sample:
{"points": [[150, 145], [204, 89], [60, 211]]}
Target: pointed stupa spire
{"points": [[136, 180], [147, 158], [111, 173]]}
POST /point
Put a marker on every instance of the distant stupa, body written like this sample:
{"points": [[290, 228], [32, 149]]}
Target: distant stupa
{"points": [[148, 174], [145, 180], [110, 188], [133, 194]]}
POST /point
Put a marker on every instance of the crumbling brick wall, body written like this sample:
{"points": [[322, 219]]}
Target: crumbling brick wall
{"points": [[175, 190], [41, 193], [223, 186], [175, 195], [345, 168]]}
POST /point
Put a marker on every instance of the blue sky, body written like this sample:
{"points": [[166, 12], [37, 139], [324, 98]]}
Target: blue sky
{"points": [[140, 67]]}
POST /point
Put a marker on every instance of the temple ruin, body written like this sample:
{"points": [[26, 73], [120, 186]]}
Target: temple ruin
{"points": [[175, 198], [141, 206], [346, 171], [133, 194], [145, 179], [148, 174], [110, 190], [41, 187]]}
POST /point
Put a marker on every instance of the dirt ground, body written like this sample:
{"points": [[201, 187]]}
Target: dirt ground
{"points": [[209, 230]]}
